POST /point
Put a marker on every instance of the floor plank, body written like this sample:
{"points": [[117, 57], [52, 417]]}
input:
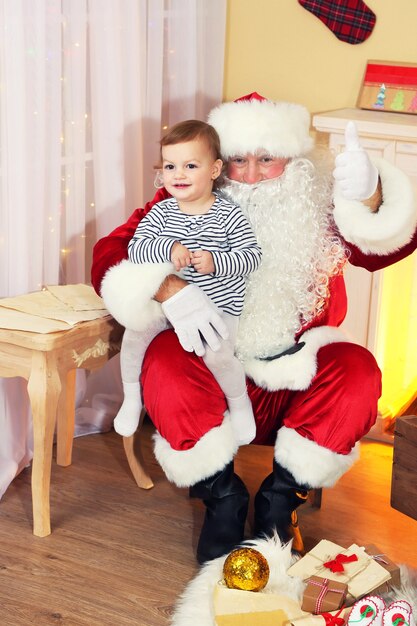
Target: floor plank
{"points": [[120, 556]]}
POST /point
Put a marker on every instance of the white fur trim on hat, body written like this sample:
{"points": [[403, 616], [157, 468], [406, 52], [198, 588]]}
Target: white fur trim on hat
{"points": [[247, 126], [128, 289], [309, 463], [209, 455], [294, 371], [392, 226]]}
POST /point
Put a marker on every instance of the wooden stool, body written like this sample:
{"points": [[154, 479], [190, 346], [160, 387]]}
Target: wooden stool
{"points": [[135, 459], [49, 363]]}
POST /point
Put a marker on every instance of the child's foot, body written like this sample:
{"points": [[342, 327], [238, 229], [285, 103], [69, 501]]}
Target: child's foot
{"points": [[127, 419], [243, 421]]}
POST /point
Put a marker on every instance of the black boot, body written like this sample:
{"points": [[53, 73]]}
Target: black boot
{"points": [[275, 504], [226, 499]]}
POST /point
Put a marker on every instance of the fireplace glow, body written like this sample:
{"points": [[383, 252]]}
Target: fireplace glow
{"points": [[396, 336]]}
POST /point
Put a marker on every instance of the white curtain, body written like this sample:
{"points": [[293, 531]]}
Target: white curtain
{"points": [[86, 87]]}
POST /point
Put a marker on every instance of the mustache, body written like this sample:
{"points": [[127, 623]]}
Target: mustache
{"points": [[244, 185]]}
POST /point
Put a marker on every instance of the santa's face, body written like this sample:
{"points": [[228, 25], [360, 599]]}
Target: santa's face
{"points": [[253, 168]]}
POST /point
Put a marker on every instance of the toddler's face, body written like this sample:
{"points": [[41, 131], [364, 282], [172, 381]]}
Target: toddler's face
{"points": [[189, 170]]}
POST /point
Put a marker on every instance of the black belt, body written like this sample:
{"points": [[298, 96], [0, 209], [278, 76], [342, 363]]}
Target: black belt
{"points": [[295, 348]]}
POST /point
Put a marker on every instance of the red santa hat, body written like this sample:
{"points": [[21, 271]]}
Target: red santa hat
{"points": [[253, 123]]}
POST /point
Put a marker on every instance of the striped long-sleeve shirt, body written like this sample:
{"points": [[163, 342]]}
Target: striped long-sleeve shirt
{"points": [[223, 230]]}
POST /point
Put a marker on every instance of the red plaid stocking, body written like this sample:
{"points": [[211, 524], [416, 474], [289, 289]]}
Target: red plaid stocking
{"points": [[350, 20]]}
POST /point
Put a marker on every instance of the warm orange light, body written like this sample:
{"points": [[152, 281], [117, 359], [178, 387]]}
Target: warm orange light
{"points": [[396, 336]]}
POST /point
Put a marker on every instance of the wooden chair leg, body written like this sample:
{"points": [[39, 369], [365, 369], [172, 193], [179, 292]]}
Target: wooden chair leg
{"points": [[135, 461], [314, 498]]}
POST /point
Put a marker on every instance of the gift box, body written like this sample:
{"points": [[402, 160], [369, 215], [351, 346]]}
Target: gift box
{"points": [[332, 618], [384, 560], [266, 618], [322, 594], [351, 566], [235, 607]]}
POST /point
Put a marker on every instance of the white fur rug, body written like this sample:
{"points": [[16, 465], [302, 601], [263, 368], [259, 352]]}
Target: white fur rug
{"points": [[195, 605], [408, 589]]}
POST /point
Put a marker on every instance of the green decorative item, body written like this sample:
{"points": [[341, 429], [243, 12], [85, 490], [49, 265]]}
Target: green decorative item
{"points": [[398, 101]]}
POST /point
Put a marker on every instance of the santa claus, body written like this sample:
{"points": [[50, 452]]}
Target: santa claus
{"points": [[314, 393]]}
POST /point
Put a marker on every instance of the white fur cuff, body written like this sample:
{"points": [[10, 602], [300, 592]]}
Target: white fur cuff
{"points": [[128, 289], [392, 226], [294, 371], [309, 463], [209, 455]]}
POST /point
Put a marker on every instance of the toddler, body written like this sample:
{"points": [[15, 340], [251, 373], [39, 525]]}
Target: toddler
{"points": [[212, 247]]}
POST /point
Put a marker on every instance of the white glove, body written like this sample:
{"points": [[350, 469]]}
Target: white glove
{"points": [[356, 177], [194, 317]]}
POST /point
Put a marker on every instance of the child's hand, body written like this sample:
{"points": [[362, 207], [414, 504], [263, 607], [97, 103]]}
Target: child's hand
{"points": [[202, 261], [180, 256]]}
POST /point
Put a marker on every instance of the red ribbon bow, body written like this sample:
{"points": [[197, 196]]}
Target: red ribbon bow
{"points": [[333, 620], [336, 564]]}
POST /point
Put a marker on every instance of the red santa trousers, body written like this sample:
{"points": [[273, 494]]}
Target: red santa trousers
{"points": [[339, 407]]}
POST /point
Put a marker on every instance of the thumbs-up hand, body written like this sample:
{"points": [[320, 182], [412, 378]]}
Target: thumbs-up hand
{"points": [[356, 177]]}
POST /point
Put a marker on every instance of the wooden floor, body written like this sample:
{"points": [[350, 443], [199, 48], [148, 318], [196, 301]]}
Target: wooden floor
{"points": [[120, 556]]}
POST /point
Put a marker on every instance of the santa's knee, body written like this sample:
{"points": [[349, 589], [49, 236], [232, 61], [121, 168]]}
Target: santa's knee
{"points": [[353, 366], [349, 380]]}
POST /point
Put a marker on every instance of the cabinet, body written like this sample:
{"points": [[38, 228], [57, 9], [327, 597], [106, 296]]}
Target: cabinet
{"points": [[382, 306], [392, 136]]}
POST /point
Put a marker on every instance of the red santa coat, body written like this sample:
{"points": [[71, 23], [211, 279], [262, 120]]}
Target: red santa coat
{"points": [[313, 405]]}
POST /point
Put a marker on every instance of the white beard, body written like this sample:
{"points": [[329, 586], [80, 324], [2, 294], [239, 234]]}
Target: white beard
{"points": [[291, 218]]}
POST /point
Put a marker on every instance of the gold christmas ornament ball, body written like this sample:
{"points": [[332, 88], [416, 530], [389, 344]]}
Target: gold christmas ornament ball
{"points": [[246, 569]]}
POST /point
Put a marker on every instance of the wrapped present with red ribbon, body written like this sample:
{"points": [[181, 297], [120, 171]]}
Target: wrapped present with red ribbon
{"points": [[383, 559], [328, 618], [338, 563], [235, 607], [322, 594], [352, 566]]}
